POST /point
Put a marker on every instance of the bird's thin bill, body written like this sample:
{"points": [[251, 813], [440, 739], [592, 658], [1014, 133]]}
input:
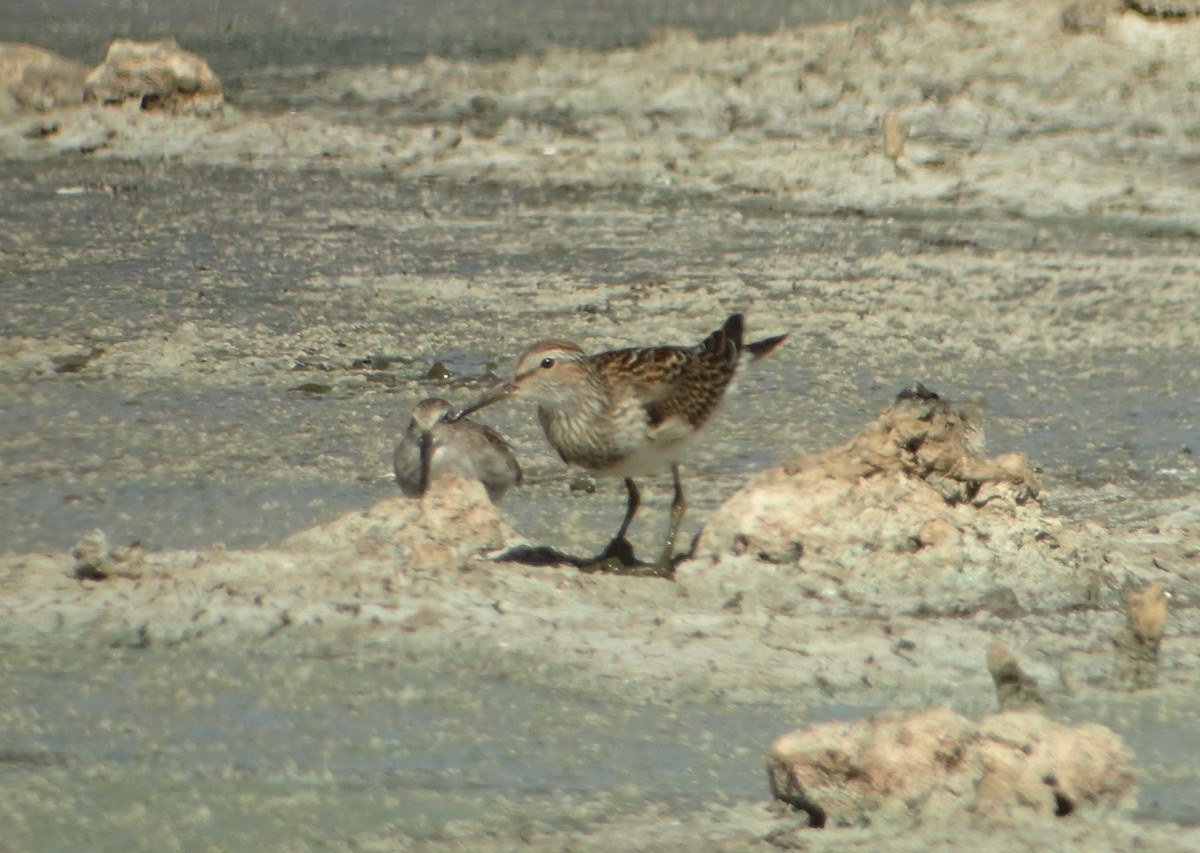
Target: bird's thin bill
{"points": [[494, 395]]}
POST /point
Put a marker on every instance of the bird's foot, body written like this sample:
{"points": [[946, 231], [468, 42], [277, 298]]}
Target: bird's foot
{"points": [[616, 557]]}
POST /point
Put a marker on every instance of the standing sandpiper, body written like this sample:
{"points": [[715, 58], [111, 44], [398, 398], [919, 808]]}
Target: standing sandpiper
{"points": [[434, 446], [628, 412]]}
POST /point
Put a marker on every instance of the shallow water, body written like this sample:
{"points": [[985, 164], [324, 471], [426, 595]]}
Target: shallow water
{"points": [[332, 280], [159, 747], [211, 744], [237, 38]]}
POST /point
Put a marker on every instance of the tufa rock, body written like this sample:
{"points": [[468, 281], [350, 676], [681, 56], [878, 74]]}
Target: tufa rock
{"points": [[935, 765], [91, 555], [452, 524], [1002, 602], [95, 561], [37, 80], [158, 74], [1015, 690], [1136, 645], [893, 137], [1087, 16], [1091, 16], [913, 481]]}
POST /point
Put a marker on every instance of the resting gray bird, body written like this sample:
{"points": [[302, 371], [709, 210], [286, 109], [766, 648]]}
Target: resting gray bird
{"points": [[433, 447]]}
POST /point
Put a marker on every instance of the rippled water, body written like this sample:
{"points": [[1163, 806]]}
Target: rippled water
{"points": [[268, 267]]}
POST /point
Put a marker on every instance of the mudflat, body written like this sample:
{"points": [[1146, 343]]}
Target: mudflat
{"points": [[214, 327]]}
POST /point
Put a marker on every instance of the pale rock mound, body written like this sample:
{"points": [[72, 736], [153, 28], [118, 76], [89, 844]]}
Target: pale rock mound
{"points": [[355, 574], [934, 765], [1136, 645], [159, 75], [909, 505], [37, 80], [454, 522]]}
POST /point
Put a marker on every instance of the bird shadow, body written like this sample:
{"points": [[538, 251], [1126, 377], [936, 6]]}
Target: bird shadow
{"points": [[617, 559]]}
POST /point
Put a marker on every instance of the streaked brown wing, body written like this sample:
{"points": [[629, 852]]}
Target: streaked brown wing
{"points": [[650, 374], [702, 380], [672, 382], [695, 399]]}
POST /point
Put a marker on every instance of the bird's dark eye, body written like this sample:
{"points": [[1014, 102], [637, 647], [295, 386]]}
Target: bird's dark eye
{"points": [[547, 363]]}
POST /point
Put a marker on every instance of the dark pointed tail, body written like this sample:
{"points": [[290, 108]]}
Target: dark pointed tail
{"points": [[760, 349], [733, 332], [734, 328]]}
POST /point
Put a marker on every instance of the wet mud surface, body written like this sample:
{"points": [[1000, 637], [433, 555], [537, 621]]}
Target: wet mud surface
{"points": [[212, 333], [210, 297]]}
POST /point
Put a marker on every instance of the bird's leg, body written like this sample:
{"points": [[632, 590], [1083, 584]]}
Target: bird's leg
{"points": [[619, 548], [635, 500], [678, 505]]}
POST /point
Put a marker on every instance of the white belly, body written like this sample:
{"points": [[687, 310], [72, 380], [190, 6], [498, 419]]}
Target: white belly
{"points": [[649, 458]]}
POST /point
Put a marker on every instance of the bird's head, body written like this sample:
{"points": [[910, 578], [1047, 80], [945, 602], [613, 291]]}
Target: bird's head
{"points": [[549, 373]]}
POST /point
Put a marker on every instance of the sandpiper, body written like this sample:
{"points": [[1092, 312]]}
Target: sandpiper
{"points": [[628, 412], [434, 446]]}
